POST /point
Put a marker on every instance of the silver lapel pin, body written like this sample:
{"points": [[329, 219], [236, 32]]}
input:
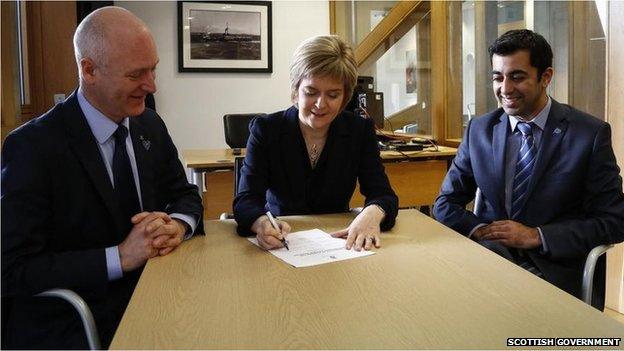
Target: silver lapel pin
{"points": [[146, 143], [557, 131]]}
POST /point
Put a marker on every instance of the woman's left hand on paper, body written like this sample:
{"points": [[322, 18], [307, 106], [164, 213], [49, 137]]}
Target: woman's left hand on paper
{"points": [[364, 231]]}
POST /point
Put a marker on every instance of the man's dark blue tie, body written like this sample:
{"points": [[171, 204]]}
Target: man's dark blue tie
{"points": [[125, 188], [524, 168]]}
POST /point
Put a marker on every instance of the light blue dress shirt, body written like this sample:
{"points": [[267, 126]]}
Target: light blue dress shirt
{"points": [[103, 129], [513, 144]]}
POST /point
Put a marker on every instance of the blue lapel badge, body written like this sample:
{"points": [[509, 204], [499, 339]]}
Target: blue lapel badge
{"points": [[146, 143]]}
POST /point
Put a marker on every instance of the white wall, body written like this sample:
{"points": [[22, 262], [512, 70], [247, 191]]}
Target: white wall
{"points": [[193, 104]]}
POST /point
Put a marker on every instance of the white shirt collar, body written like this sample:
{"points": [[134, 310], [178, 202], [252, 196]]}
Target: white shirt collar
{"points": [[101, 126], [539, 120]]}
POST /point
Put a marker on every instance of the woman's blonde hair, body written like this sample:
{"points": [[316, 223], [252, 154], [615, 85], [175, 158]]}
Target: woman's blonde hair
{"points": [[324, 56]]}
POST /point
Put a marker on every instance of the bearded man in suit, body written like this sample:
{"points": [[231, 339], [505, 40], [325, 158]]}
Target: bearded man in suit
{"points": [[91, 190], [547, 172]]}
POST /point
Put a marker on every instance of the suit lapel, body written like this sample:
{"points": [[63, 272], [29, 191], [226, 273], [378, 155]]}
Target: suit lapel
{"points": [[553, 133], [290, 145], [339, 142], [337, 151], [84, 145], [499, 142], [142, 145]]}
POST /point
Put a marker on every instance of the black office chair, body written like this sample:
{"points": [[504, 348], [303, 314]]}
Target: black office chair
{"points": [[236, 129], [590, 262]]}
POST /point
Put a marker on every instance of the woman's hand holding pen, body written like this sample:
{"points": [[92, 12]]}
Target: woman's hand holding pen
{"points": [[364, 231], [268, 237]]}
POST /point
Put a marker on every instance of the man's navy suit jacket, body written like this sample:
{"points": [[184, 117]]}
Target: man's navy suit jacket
{"points": [[574, 195], [273, 174], [59, 213]]}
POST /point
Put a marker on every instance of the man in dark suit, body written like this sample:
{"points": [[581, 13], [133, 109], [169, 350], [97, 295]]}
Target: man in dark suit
{"points": [[90, 191], [550, 183]]}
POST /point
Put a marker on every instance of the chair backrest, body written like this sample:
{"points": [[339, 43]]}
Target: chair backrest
{"points": [[236, 128]]}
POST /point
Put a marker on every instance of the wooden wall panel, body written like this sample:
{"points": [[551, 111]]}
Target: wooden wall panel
{"points": [[615, 117], [58, 24], [51, 64], [587, 60], [439, 70], [9, 67], [36, 74]]}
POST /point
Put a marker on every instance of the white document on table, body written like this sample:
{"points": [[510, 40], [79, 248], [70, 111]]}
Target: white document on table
{"points": [[314, 247]]}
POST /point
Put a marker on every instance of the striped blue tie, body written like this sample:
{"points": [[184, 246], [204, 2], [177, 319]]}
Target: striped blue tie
{"points": [[524, 168]]}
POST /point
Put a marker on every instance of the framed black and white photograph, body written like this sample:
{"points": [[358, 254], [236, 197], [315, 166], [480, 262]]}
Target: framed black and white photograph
{"points": [[224, 36]]}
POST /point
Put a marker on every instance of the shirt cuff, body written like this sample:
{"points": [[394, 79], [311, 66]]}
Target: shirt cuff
{"points": [[475, 229], [113, 263], [544, 246], [190, 220]]}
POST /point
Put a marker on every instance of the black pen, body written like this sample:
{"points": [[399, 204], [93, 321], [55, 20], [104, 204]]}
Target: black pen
{"points": [[274, 224]]}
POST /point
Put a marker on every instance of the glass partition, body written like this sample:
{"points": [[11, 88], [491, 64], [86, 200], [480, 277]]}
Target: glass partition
{"points": [[401, 70], [579, 59], [430, 65], [355, 19]]}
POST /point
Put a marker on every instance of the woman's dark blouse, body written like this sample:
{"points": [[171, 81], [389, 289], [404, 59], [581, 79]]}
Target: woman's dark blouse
{"points": [[277, 175]]}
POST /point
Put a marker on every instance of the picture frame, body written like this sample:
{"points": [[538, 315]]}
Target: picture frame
{"points": [[225, 36]]}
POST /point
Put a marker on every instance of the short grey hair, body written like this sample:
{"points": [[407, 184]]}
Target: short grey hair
{"points": [[324, 56], [91, 37]]}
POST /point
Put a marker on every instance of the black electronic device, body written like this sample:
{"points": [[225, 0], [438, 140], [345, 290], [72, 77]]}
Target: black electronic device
{"points": [[373, 104], [365, 83], [364, 98], [408, 147], [398, 145]]}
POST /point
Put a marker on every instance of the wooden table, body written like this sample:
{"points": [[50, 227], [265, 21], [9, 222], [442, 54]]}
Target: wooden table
{"points": [[415, 177], [427, 287], [205, 160]]}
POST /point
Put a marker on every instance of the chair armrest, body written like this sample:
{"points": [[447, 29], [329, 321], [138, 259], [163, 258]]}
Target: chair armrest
{"points": [[588, 272], [83, 310], [476, 207]]}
